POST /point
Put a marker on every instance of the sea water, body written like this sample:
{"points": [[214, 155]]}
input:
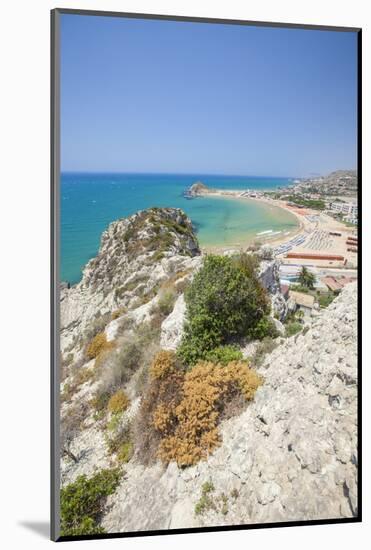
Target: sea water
{"points": [[89, 202]]}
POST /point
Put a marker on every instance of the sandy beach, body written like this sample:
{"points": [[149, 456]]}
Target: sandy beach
{"points": [[313, 234], [303, 224]]}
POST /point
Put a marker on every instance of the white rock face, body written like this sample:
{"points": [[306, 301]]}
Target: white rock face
{"points": [[292, 455], [172, 327]]}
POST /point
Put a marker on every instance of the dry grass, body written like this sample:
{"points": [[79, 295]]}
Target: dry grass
{"points": [[181, 411], [97, 345], [118, 402]]}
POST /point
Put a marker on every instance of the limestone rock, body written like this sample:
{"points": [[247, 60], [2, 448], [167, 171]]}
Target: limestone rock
{"points": [[291, 456], [172, 327]]}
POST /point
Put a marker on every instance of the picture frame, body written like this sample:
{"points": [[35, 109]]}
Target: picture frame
{"points": [[56, 210]]}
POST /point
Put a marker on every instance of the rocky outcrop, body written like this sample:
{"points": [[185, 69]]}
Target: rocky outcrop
{"points": [[270, 279], [136, 255], [292, 455], [198, 188]]}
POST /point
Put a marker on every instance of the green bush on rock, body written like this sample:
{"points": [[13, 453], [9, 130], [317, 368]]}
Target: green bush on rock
{"points": [[224, 301], [82, 502], [224, 354]]}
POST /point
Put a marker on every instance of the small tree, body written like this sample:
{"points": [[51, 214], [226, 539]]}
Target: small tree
{"points": [[224, 301], [306, 278]]}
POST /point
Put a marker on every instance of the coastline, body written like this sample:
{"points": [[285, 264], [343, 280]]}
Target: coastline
{"points": [[313, 235], [303, 224]]}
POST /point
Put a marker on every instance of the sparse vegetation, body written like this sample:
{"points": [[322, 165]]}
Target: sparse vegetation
{"points": [[165, 303], [97, 345], [293, 328], [78, 376], [120, 440], [71, 424], [266, 346], [326, 299], [82, 502], [118, 313], [211, 501], [98, 325], [118, 402], [206, 501], [125, 452]]}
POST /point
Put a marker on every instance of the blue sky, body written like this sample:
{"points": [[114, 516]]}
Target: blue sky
{"points": [[166, 96]]}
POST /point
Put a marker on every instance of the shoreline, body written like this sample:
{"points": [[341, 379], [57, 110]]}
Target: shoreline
{"points": [[315, 234], [303, 225]]}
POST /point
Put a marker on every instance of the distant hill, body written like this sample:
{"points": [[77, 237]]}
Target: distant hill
{"points": [[339, 182]]}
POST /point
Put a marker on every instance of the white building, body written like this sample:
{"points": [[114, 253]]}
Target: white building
{"points": [[347, 208]]}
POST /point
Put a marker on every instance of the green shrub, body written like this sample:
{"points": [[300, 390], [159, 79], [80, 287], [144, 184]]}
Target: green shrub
{"points": [[114, 422], [125, 452], [248, 263], [293, 328], [119, 439], [224, 354], [325, 300], [82, 502], [263, 328], [224, 301]]}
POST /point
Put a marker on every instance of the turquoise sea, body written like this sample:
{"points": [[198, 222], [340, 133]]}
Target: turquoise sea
{"points": [[89, 202]]}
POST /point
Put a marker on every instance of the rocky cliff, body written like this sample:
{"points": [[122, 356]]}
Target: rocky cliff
{"points": [[292, 455], [136, 254]]}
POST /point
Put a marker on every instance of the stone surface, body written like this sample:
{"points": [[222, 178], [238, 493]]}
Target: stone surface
{"points": [[172, 327], [291, 455]]}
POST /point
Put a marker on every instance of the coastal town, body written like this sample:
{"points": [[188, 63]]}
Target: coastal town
{"points": [[325, 243]]}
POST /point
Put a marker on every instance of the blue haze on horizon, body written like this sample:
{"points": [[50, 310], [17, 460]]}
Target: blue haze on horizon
{"points": [[179, 97]]}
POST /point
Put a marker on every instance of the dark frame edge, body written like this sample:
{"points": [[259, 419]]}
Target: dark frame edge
{"points": [[195, 19], [54, 286], [359, 291]]}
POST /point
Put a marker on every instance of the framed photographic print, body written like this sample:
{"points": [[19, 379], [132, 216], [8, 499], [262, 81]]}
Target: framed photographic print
{"points": [[206, 242]]}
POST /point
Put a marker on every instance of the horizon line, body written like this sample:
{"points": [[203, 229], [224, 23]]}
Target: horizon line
{"points": [[197, 174]]}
